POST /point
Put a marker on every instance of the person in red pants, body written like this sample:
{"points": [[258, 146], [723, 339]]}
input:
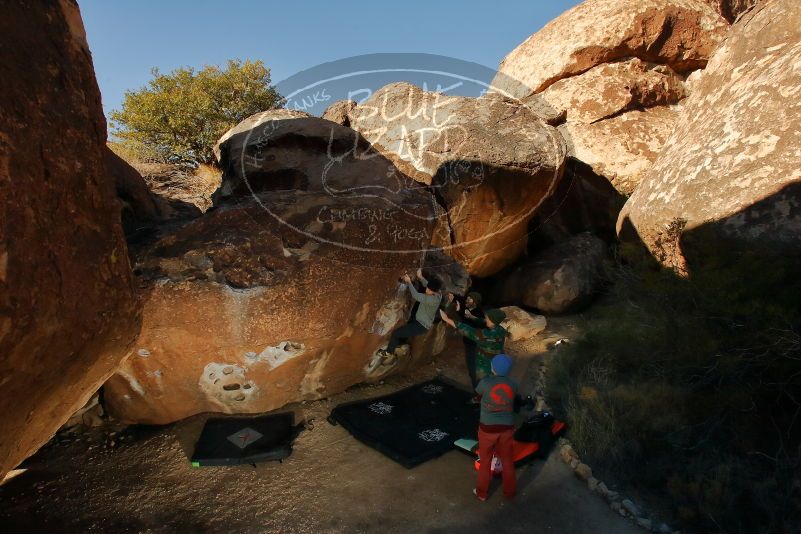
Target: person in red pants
{"points": [[496, 427]]}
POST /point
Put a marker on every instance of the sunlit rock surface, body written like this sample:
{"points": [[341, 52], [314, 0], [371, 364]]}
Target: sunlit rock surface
{"points": [[729, 174]]}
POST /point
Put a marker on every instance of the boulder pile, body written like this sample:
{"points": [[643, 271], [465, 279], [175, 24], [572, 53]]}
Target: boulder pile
{"points": [[617, 68]]}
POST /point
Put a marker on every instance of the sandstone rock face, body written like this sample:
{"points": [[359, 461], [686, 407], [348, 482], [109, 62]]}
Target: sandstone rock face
{"points": [[729, 174], [732, 9], [284, 291], [610, 89], [561, 279], [302, 153], [679, 33], [422, 349], [91, 414], [539, 106], [615, 69], [138, 205], [489, 162], [454, 277], [67, 308], [253, 123], [338, 112], [621, 149], [244, 313]]}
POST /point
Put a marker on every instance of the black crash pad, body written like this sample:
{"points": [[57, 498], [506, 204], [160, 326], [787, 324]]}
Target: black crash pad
{"points": [[245, 440], [413, 425]]}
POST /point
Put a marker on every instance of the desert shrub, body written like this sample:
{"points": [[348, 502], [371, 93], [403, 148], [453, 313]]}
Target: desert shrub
{"points": [[179, 116], [691, 388]]}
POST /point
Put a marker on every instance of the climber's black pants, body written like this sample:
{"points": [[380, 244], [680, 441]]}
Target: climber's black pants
{"points": [[410, 329]]}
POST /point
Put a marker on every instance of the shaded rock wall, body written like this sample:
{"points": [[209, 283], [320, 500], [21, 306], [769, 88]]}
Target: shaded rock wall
{"points": [[67, 308]]}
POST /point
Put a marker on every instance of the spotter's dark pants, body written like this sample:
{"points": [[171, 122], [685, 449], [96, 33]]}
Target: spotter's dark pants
{"points": [[470, 351]]}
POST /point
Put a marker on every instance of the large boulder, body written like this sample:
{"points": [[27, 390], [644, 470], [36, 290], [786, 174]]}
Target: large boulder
{"points": [[489, 162], [248, 309], [276, 295], [282, 150], [560, 279], [728, 178], [679, 33], [67, 307]]}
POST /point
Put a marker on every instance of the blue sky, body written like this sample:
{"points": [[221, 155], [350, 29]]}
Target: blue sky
{"points": [[129, 37]]}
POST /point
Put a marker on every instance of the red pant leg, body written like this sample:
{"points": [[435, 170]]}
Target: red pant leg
{"points": [[505, 451], [486, 446]]}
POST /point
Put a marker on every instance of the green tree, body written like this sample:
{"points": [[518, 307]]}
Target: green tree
{"points": [[179, 116]]}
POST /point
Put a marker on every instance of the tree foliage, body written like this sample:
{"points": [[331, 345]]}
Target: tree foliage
{"points": [[179, 116]]}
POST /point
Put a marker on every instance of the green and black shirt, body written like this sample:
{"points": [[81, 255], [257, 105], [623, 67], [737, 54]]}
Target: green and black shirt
{"points": [[489, 342]]}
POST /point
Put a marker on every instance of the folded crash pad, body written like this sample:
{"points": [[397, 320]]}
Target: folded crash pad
{"points": [[245, 440], [413, 425], [534, 438]]}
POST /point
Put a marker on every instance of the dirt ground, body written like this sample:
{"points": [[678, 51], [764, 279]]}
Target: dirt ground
{"points": [[331, 484]]}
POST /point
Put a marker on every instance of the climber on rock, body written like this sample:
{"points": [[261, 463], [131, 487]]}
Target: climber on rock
{"points": [[428, 302], [489, 338]]}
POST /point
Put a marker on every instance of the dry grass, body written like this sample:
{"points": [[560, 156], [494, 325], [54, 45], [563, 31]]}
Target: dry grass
{"points": [[690, 388]]}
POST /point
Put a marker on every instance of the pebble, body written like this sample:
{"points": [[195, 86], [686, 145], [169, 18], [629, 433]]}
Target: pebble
{"points": [[583, 471], [644, 523], [630, 507], [574, 463], [567, 453]]}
